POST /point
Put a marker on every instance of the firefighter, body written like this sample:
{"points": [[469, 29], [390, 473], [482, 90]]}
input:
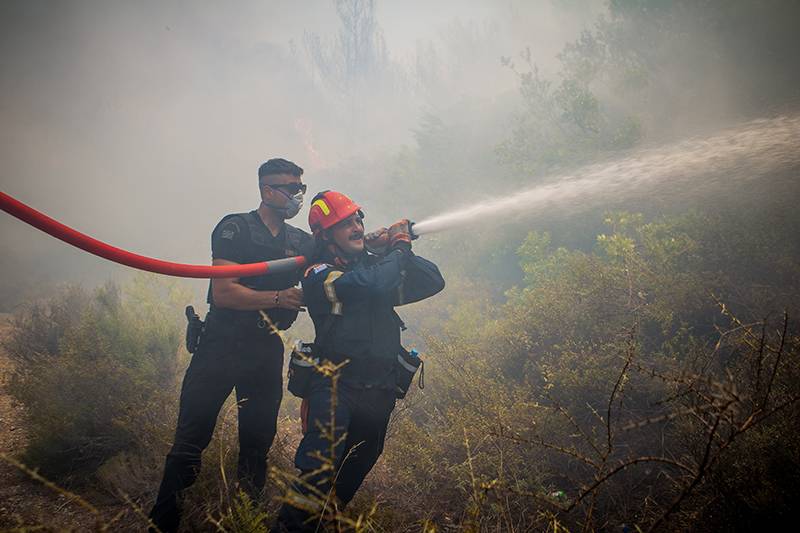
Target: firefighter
{"points": [[239, 349], [351, 294]]}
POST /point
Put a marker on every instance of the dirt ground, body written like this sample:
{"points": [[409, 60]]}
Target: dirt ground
{"points": [[27, 504]]}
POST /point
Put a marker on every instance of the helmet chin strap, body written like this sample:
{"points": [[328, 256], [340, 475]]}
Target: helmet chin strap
{"points": [[340, 257]]}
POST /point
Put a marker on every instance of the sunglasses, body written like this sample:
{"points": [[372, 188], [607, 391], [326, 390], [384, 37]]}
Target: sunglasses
{"points": [[290, 188]]}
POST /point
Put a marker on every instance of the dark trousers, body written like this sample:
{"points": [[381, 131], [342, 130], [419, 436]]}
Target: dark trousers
{"points": [[253, 366], [361, 416]]}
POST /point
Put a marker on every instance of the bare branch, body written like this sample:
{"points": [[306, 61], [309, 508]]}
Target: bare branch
{"points": [[778, 355], [698, 476], [622, 466]]}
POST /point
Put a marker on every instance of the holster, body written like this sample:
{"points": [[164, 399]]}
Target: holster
{"points": [[194, 329]]}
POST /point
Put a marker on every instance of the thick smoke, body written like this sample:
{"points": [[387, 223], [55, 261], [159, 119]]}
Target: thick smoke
{"points": [[142, 124]]}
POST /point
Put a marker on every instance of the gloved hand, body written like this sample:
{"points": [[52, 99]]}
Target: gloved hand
{"points": [[400, 234], [377, 242]]}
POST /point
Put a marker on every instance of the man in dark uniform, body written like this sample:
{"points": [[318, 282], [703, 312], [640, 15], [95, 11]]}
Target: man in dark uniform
{"points": [[239, 349], [351, 295]]}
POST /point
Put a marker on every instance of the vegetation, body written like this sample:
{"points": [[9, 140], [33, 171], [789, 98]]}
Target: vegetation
{"points": [[95, 371], [629, 370], [613, 387], [648, 382]]}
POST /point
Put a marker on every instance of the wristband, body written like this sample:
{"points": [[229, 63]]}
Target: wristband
{"points": [[277, 298]]}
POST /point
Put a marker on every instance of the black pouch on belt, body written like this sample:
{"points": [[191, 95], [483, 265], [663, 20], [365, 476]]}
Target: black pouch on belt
{"points": [[405, 368], [194, 329], [301, 368]]}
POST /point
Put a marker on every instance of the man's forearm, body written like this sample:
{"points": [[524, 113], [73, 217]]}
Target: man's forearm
{"points": [[378, 279], [241, 298]]}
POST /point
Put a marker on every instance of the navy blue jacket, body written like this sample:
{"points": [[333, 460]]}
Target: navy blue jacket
{"points": [[352, 308]]}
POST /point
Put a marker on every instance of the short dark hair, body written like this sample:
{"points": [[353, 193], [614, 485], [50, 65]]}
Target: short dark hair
{"points": [[278, 166]]}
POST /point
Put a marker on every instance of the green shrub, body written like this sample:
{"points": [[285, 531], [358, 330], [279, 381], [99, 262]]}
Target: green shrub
{"points": [[600, 358], [96, 373]]}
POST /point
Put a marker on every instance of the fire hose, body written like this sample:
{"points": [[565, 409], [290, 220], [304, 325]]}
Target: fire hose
{"points": [[99, 248]]}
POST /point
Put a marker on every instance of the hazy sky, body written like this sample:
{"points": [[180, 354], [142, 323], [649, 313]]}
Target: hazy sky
{"points": [[142, 123]]}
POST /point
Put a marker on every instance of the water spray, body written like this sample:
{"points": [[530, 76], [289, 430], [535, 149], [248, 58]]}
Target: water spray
{"points": [[752, 149]]}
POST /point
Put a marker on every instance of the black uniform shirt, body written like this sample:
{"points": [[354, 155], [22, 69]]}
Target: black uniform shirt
{"points": [[244, 238]]}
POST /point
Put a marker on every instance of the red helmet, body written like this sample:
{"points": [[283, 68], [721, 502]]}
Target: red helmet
{"points": [[328, 208]]}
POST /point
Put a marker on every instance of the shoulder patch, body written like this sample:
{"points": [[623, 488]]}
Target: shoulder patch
{"points": [[229, 230], [316, 269]]}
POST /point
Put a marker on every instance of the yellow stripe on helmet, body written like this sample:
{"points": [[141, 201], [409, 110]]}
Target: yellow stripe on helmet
{"points": [[323, 206]]}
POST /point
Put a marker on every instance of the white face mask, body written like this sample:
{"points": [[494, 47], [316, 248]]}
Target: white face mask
{"points": [[293, 205]]}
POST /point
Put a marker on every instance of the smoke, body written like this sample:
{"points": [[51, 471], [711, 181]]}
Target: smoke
{"points": [[143, 123]]}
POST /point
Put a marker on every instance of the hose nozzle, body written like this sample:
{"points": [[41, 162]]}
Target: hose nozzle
{"points": [[414, 236]]}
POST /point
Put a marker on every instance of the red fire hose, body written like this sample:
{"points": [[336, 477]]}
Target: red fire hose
{"points": [[112, 253]]}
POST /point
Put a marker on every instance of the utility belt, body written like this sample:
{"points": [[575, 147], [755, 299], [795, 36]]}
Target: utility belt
{"points": [[306, 359], [242, 322], [244, 325]]}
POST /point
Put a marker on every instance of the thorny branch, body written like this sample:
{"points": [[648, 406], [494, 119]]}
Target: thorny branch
{"points": [[719, 406]]}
